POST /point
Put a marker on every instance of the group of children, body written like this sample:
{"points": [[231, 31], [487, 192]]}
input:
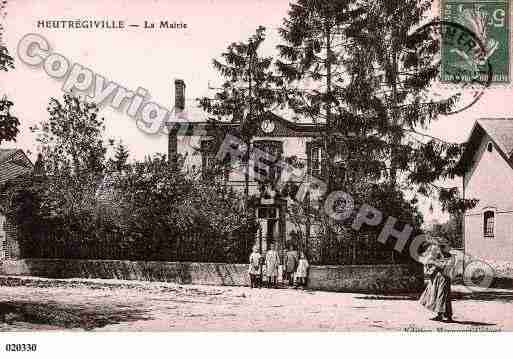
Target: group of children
{"points": [[294, 267]]}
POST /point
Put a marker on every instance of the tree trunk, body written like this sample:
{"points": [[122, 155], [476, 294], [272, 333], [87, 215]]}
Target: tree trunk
{"points": [[329, 126], [395, 138]]}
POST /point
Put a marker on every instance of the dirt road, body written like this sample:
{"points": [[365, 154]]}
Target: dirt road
{"points": [[113, 305]]}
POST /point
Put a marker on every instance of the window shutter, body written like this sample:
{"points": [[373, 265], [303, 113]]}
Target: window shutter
{"points": [[309, 157], [324, 161], [316, 159], [207, 155]]}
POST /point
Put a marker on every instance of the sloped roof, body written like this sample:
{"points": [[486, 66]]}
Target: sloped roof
{"points": [[5, 154], [194, 113], [500, 131], [13, 163]]}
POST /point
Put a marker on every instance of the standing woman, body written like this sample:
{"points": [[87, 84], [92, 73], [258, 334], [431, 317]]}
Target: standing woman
{"points": [[438, 265]]}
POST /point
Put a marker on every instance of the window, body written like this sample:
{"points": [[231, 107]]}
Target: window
{"points": [[207, 156], [275, 150], [489, 223], [489, 147], [315, 158], [316, 161], [267, 212]]}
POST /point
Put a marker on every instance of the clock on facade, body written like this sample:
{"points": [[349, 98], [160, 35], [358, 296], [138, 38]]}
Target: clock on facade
{"points": [[268, 126]]}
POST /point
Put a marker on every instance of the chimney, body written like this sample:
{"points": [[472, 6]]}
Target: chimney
{"points": [[172, 150], [179, 95]]}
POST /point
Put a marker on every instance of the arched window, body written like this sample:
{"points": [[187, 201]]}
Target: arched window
{"points": [[489, 223]]}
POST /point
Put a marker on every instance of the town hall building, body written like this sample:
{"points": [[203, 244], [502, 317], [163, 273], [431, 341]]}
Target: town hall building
{"points": [[274, 135]]}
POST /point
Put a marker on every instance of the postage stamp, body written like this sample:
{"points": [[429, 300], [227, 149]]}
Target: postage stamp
{"points": [[490, 23], [464, 81]]}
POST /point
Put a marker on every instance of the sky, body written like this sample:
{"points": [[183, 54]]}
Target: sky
{"points": [[153, 58]]}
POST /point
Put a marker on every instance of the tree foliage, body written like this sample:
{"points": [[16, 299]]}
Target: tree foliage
{"points": [[121, 155], [249, 87], [8, 123], [85, 205], [363, 71], [71, 139], [452, 230], [6, 61]]}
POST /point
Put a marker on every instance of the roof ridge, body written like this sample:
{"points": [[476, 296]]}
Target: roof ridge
{"points": [[10, 149], [495, 119]]}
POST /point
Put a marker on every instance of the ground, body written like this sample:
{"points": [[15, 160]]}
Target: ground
{"points": [[115, 305]]}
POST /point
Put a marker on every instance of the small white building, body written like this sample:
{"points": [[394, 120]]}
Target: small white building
{"points": [[488, 177]]}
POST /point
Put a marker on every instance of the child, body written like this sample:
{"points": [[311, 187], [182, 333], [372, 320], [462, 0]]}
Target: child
{"points": [[254, 268], [302, 271], [272, 262], [290, 267]]}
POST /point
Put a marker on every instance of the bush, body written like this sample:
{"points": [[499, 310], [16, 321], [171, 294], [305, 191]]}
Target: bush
{"points": [[149, 211]]}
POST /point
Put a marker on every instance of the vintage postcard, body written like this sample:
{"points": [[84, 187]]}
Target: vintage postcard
{"points": [[249, 166]]}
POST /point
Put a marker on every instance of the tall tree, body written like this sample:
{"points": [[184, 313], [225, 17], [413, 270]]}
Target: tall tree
{"points": [[362, 69], [71, 139], [73, 154], [248, 91], [402, 65], [312, 62], [121, 155]]}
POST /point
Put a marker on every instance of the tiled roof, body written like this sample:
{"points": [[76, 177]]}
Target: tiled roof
{"points": [[9, 170], [13, 163], [501, 131], [194, 113], [5, 154]]}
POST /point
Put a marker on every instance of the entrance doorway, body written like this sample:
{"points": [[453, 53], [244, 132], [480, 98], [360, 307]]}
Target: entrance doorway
{"points": [[3, 239], [271, 218]]}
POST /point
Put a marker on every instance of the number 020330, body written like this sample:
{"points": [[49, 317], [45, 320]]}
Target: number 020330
{"points": [[20, 347]]}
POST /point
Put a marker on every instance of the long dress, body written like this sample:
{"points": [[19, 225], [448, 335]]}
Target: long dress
{"points": [[302, 268], [437, 295], [272, 260], [291, 260], [254, 263]]}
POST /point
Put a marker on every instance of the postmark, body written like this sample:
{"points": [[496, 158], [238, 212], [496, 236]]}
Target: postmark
{"points": [[490, 22], [462, 85]]}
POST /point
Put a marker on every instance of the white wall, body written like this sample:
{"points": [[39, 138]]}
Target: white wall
{"points": [[491, 181]]}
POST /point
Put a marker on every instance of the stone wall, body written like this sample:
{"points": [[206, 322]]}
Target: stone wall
{"points": [[367, 278], [503, 271], [356, 278]]}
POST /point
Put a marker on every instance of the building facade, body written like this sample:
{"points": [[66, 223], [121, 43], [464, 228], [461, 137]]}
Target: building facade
{"points": [[488, 177], [274, 135]]}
